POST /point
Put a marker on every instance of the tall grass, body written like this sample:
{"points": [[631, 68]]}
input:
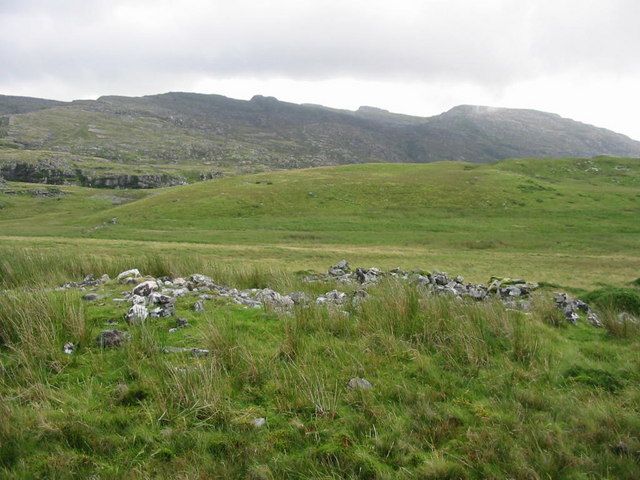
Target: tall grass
{"points": [[27, 267], [35, 325], [461, 389]]}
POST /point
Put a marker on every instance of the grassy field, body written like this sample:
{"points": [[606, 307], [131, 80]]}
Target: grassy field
{"points": [[568, 222], [461, 389]]}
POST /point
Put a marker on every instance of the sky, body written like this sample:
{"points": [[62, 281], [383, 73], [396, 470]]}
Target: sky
{"points": [[577, 58]]}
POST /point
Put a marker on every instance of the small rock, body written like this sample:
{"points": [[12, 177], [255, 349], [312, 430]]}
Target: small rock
{"points": [[90, 297], [69, 348], [137, 314], [112, 338], [134, 272], [198, 306], [137, 300], [357, 383], [259, 422], [196, 352], [593, 319], [182, 322], [145, 288]]}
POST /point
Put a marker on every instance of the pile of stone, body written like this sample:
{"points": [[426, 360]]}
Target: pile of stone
{"points": [[150, 297], [571, 308], [88, 281]]}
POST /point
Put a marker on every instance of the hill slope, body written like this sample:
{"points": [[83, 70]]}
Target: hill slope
{"points": [[187, 128], [564, 221]]}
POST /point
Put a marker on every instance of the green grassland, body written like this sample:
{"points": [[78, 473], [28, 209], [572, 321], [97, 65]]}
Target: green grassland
{"points": [[569, 222], [461, 389]]}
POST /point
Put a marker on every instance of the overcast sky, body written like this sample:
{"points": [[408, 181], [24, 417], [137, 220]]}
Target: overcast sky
{"points": [[578, 58]]}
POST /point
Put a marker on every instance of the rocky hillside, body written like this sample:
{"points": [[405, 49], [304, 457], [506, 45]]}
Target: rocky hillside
{"points": [[265, 133]]}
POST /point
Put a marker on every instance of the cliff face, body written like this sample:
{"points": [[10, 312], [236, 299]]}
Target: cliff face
{"points": [[58, 173]]}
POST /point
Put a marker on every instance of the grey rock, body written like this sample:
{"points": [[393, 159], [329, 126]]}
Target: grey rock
{"points": [[137, 314], [196, 352], [133, 273], [144, 289], [357, 383], [90, 297], [112, 338], [594, 320], [274, 299], [137, 300], [299, 298], [160, 299], [69, 348], [198, 306]]}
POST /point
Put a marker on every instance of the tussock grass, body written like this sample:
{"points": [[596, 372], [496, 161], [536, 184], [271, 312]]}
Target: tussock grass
{"points": [[35, 325], [461, 389], [28, 267]]}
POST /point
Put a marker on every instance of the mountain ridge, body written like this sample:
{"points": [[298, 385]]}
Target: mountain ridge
{"points": [[264, 132]]}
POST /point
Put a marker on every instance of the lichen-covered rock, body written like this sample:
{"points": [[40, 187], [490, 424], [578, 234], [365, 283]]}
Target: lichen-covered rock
{"points": [[137, 314], [144, 289], [133, 273]]}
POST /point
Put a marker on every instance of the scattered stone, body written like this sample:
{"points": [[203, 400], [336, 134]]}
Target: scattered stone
{"points": [[196, 352], [198, 306], [90, 297], [199, 281], [160, 299], [334, 297], [299, 298], [179, 282], [137, 300], [593, 319], [123, 276], [69, 348], [144, 289], [368, 275], [357, 383], [137, 314], [182, 322], [269, 297], [112, 338], [571, 306]]}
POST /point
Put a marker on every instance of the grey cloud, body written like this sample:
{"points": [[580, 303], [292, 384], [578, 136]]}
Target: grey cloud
{"points": [[489, 43]]}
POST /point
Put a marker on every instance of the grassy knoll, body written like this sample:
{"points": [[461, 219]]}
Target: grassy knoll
{"points": [[571, 222]]}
